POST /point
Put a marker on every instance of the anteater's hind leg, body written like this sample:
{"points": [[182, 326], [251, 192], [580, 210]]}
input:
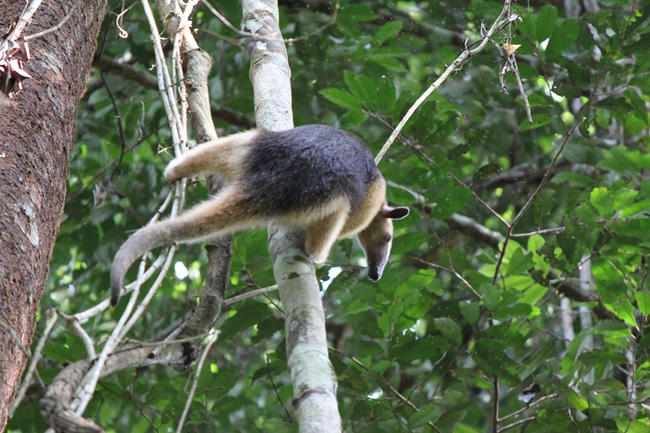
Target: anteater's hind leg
{"points": [[321, 233], [226, 213], [226, 156]]}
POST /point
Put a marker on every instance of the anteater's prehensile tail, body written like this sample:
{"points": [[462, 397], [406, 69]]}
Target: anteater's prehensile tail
{"points": [[139, 243]]}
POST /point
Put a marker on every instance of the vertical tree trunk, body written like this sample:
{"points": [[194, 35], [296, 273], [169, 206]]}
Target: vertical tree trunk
{"points": [[36, 137], [312, 375]]}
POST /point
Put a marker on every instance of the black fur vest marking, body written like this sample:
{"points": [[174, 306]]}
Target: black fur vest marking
{"points": [[307, 166]]}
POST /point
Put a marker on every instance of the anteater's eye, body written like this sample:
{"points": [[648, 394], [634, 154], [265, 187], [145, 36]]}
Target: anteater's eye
{"points": [[388, 238]]}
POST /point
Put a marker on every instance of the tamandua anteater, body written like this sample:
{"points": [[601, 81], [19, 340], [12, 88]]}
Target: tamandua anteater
{"points": [[316, 178]]}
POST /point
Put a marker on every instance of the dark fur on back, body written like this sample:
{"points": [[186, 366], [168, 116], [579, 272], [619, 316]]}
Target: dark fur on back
{"points": [[307, 166]]}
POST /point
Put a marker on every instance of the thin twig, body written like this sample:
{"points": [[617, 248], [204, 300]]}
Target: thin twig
{"points": [[56, 27], [451, 271], [275, 388], [16, 339], [390, 387], [495, 411], [538, 232], [251, 294], [516, 423], [532, 404], [456, 65], [289, 41], [52, 317], [120, 128], [76, 327], [199, 368], [480, 200], [539, 188], [22, 22]]}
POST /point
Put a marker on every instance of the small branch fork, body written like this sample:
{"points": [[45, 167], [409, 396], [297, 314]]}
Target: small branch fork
{"points": [[509, 61]]}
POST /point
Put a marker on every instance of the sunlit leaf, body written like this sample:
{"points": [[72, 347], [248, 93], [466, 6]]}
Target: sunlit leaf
{"points": [[545, 24]]}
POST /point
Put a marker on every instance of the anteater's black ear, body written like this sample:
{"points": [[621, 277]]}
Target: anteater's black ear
{"points": [[395, 213]]}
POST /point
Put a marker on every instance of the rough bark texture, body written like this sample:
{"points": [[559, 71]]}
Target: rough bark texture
{"points": [[36, 138]]}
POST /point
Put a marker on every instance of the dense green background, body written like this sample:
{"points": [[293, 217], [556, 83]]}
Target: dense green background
{"points": [[441, 336]]}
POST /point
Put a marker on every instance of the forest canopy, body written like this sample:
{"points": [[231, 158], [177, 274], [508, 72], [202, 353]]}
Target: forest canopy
{"points": [[515, 297]]}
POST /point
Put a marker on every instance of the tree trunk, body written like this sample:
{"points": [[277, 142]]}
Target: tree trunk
{"points": [[312, 374], [37, 132]]}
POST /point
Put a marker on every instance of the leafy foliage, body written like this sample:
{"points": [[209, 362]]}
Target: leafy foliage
{"points": [[469, 311]]}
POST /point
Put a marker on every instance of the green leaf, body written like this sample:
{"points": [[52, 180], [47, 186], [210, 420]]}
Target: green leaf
{"points": [[624, 424], [449, 329], [533, 294], [624, 311], [603, 117], [422, 417], [518, 262], [518, 282], [575, 180], [568, 244], [225, 379], [537, 357], [342, 98], [385, 95], [57, 353], [450, 419], [576, 347], [577, 401], [408, 242], [640, 110], [353, 118], [448, 197], [486, 172], [516, 310], [601, 200], [636, 208], [545, 24], [599, 358], [357, 12], [563, 38], [636, 228], [490, 355], [249, 315], [585, 215], [643, 43], [623, 197], [363, 87], [527, 26], [388, 31], [470, 310], [422, 348], [538, 121], [491, 296]]}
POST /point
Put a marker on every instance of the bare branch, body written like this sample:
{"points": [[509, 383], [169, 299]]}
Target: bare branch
{"points": [[250, 294]]}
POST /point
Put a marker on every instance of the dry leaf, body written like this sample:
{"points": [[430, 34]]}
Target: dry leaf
{"points": [[12, 73], [510, 49]]}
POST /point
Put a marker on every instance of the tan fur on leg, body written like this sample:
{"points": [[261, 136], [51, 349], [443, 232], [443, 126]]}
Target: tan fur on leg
{"points": [[321, 234], [226, 156]]}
